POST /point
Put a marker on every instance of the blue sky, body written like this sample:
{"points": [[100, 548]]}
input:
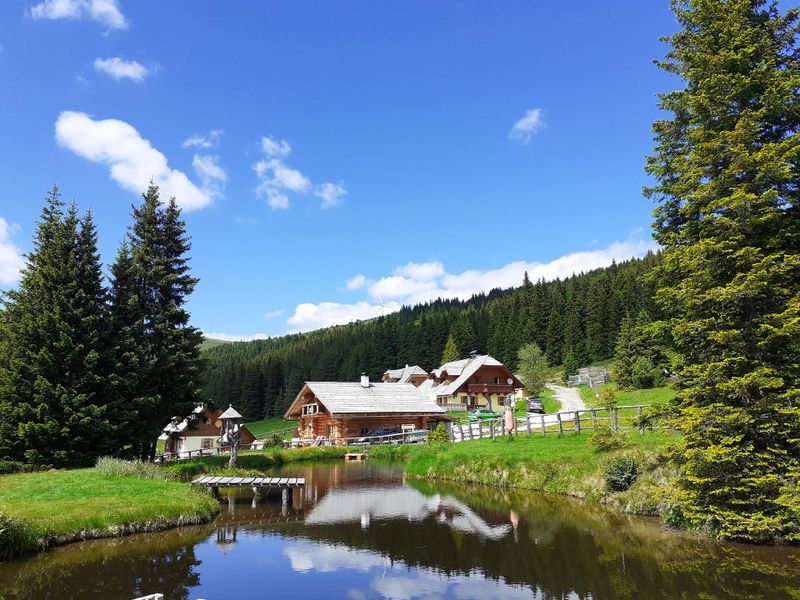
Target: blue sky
{"points": [[333, 155]]}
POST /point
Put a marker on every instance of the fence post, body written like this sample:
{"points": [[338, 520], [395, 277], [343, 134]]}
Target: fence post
{"points": [[491, 428], [594, 419], [641, 424], [544, 430], [578, 422], [614, 420], [560, 424], [528, 424]]}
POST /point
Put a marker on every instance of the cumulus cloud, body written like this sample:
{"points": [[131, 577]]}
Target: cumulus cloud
{"points": [[11, 259], [105, 12], [524, 128], [213, 176], [122, 69], [232, 337], [131, 159], [276, 178], [203, 141], [310, 316], [416, 283]]}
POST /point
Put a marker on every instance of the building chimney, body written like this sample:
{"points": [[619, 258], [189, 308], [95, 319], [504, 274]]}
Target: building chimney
{"points": [[364, 380]]}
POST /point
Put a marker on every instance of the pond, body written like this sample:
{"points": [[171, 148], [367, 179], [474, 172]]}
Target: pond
{"points": [[361, 530]]}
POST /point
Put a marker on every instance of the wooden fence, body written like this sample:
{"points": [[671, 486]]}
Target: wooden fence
{"points": [[620, 417]]}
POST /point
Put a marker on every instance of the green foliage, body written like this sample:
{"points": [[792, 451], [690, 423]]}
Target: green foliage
{"points": [[117, 467], [607, 397], [450, 352], [604, 438], [439, 436], [674, 517], [641, 354], [645, 374], [726, 169], [13, 466], [571, 365], [521, 405], [17, 537], [532, 368], [621, 474], [262, 377]]}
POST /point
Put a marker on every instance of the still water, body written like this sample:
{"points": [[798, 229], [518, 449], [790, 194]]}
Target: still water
{"points": [[360, 530]]}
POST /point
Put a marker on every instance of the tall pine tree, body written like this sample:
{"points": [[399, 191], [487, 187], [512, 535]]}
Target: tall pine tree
{"points": [[727, 170]]}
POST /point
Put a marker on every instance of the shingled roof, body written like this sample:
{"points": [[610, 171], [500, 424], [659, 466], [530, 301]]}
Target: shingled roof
{"points": [[344, 397], [463, 369], [403, 375]]}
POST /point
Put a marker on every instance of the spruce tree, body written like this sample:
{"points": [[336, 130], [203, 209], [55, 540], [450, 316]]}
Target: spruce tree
{"points": [[727, 183], [450, 352]]}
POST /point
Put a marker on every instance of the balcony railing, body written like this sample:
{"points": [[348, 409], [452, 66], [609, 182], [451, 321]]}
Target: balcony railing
{"points": [[490, 388]]}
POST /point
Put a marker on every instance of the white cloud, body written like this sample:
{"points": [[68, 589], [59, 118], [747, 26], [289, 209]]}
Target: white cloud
{"points": [[212, 175], [523, 129], [273, 314], [276, 178], [203, 141], [356, 283], [131, 159], [310, 316], [106, 12], [122, 69], [232, 337], [415, 283], [11, 259], [331, 194]]}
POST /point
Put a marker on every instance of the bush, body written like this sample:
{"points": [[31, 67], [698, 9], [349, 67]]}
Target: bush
{"points": [[17, 537], [439, 436], [12, 466], [521, 405], [117, 467], [644, 374], [674, 517], [621, 474], [604, 438]]}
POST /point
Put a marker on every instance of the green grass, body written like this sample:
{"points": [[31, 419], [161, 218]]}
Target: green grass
{"points": [[82, 503], [209, 343], [630, 397], [551, 405], [261, 429], [565, 464]]}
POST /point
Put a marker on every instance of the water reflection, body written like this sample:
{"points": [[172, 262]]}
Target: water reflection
{"points": [[360, 530]]}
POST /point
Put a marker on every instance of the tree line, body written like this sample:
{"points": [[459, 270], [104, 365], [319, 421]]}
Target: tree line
{"points": [[87, 367], [576, 320]]}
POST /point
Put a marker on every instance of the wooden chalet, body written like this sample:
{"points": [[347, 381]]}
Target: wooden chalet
{"points": [[199, 431], [331, 411], [477, 381], [414, 375]]}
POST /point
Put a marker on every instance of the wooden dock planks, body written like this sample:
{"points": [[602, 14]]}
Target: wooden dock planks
{"points": [[260, 482]]}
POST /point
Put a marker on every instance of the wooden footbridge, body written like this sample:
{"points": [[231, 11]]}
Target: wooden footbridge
{"points": [[260, 485]]}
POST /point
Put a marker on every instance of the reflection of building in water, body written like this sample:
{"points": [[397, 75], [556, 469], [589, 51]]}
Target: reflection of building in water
{"points": [[361, 505], [226, 538]]}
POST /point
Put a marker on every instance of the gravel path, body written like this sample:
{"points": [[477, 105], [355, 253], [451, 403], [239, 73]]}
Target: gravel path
{"points": [[569, 397]]}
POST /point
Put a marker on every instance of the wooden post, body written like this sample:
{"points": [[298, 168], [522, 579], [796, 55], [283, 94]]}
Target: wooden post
{"points": [[578, 422], [594, 419], [614, 421], [641, 424], [491, 428], [560, 424], [528, 424], [544, 429]]}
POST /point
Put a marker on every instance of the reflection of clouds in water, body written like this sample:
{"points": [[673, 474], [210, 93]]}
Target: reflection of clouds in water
{"points": [[364, 504], [399, 582], [327, 558]]}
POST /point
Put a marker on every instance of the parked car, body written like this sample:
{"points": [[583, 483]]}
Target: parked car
{"points": [[535, 405], [479, 414], [380, 436]]}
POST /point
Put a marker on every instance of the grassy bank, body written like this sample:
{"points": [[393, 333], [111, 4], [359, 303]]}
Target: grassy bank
{"points": [[629, 397], [561, 465], [261, 429], [56, 507]]}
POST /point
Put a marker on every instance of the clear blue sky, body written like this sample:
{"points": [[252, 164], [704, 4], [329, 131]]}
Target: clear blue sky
{"points": [[391, 149]]}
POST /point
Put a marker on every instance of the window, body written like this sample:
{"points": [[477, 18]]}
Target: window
{"points": [[497, 380], [477, 379], [310, 409], [207, 443]]}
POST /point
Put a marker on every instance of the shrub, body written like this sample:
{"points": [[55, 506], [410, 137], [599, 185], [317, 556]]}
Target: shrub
{"points": [[117, 467], [604, 438], [521, 405], [644, 374], [621, 474], [607, 397], [17, 537], [674, 517], [12, 466], [439, 436]]}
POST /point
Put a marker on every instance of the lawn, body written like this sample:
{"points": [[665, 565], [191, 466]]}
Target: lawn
{"points": [[85, 503], [630, 397], [261, 429], [566, 464]]}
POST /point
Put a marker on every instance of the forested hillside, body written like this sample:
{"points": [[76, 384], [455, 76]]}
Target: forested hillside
{"points": [[575, 319]]}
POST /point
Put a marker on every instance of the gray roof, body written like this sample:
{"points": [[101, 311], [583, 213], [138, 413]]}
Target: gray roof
{"points": [[463, 369], [402, 375], [344, 397], [230, 413]]}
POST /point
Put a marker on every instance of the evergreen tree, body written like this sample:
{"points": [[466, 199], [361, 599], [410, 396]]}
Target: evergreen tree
{"points": [[450, 351], [727, 171], [52, 388]]}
